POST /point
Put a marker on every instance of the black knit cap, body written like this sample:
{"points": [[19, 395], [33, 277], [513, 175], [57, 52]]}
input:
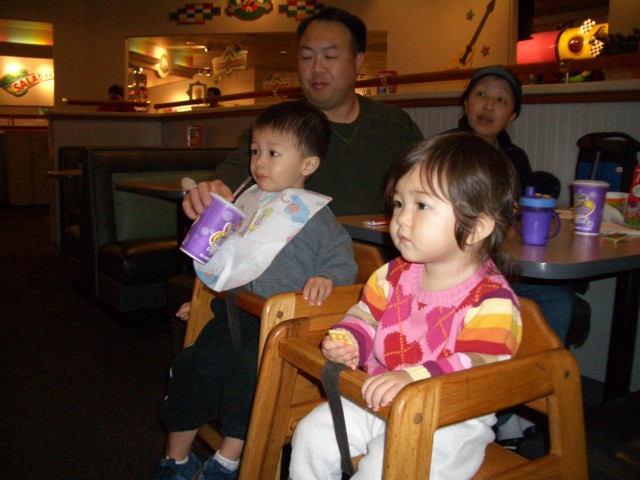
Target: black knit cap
{"points": [[501, 72]]}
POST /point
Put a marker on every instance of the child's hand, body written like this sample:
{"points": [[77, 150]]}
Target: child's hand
{"points": [[183, 311], [380, 390], [338, 351], [317, 290]]}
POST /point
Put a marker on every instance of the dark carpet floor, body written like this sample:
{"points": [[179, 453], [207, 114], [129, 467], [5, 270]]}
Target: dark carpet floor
{"points": [[80, 389]]}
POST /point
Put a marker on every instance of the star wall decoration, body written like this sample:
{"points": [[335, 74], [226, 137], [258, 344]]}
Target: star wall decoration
{"points": [[485, 50], [470, 15]]}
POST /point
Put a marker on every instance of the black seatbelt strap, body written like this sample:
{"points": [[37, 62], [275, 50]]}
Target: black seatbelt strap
{"points": [[331, 383], [232, 318]]}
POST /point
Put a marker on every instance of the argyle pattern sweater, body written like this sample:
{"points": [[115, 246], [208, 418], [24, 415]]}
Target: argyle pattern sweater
{"points": [[399, 326]]}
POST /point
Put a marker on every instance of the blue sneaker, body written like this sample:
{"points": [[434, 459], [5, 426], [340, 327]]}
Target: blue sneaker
{"points": [[168, 469], [213, 470]]}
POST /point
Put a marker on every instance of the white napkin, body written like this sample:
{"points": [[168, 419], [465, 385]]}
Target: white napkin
{"points": [[607, 228], [274, 218], [612, 215]]}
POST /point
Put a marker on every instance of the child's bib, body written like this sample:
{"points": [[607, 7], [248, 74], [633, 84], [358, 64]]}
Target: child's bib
{"points": [[272, 219]]}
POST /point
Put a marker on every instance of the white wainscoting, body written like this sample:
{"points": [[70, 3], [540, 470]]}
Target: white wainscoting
{"points": [[548, 132]]}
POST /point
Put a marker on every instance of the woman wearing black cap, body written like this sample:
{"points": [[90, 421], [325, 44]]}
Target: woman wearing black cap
{"points": [[491, 101]]}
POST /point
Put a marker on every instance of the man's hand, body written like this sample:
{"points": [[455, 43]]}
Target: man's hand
{"points": [[199, 198], [317, 289], [380, 390]]}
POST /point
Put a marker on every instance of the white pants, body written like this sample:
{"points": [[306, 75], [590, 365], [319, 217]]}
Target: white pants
{"points": [[458, 450]]}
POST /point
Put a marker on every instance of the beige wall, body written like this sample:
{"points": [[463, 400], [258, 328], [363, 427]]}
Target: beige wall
{"points": [[624, 16], [89, 35], [429, 36], [424, 35]]}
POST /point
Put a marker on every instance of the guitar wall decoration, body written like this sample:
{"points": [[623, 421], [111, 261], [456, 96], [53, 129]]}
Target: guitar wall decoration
{"points": [[465, 58]]}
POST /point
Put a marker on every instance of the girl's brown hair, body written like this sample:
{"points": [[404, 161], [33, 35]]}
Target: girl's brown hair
{"points": [[476, 178]]}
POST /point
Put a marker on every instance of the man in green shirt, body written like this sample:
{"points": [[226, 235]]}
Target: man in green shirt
{"points": [[366, 136]]}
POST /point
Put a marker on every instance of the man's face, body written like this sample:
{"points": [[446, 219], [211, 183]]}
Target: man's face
{"points": [[327, 68]]}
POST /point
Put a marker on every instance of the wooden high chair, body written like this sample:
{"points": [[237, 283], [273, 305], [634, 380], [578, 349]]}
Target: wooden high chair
{"points": [[543, 375], [276, 309]]}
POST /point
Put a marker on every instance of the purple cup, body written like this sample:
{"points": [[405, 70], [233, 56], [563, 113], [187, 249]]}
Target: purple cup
{"points": [[211, 228], [588, 203], [536, 214]]}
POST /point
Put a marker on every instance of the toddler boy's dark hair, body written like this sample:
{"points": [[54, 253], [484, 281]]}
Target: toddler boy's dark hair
{"points": [[306, 124]]}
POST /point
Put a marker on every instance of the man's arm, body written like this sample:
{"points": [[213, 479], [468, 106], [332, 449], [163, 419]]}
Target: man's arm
{"points": [[227, 176]]}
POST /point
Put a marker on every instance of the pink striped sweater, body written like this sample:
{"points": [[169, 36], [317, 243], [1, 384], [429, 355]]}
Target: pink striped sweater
{"points": [[398, 325]]}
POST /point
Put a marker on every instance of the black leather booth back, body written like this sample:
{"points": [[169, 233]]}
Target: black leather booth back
{"points": [[101, 167]]}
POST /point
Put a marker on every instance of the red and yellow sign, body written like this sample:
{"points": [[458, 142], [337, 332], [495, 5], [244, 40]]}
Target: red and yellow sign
{"points": [[26, 81], [19, 84]]}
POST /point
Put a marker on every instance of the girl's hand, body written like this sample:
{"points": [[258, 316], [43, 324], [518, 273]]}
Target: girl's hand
{"points": [[380, 390], [338, 352], [317, 289]]}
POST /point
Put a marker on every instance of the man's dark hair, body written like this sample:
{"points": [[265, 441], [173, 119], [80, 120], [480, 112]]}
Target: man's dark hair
{"points": [[214, 90], [356, 27], [308, 125]]}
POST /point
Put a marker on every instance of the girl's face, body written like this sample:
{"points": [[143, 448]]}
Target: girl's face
{"points": [[423, 226], [490, 107], [276, 161]]}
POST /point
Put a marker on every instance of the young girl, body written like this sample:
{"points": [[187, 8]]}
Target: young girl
{"points": [[441, 307]]}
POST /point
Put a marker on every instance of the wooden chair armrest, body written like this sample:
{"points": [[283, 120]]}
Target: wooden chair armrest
{"points": [[200, 312], [422, 407], [465, 394], [250, 302]]}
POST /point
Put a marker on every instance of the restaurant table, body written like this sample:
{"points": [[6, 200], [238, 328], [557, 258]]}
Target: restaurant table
{"points": [[164, 188], [64, 174], [169, 189], [568, 256]]}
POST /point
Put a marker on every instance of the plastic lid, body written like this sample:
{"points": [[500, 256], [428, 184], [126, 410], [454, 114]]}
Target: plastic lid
{"points": [[532, 199], [595, 183]]}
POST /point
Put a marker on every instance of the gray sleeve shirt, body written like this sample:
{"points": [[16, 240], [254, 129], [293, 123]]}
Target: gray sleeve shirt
{"points": [[321, 248]]}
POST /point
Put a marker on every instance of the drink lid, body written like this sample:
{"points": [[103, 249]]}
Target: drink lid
{"points": [[592, 183], [536, 200]]}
